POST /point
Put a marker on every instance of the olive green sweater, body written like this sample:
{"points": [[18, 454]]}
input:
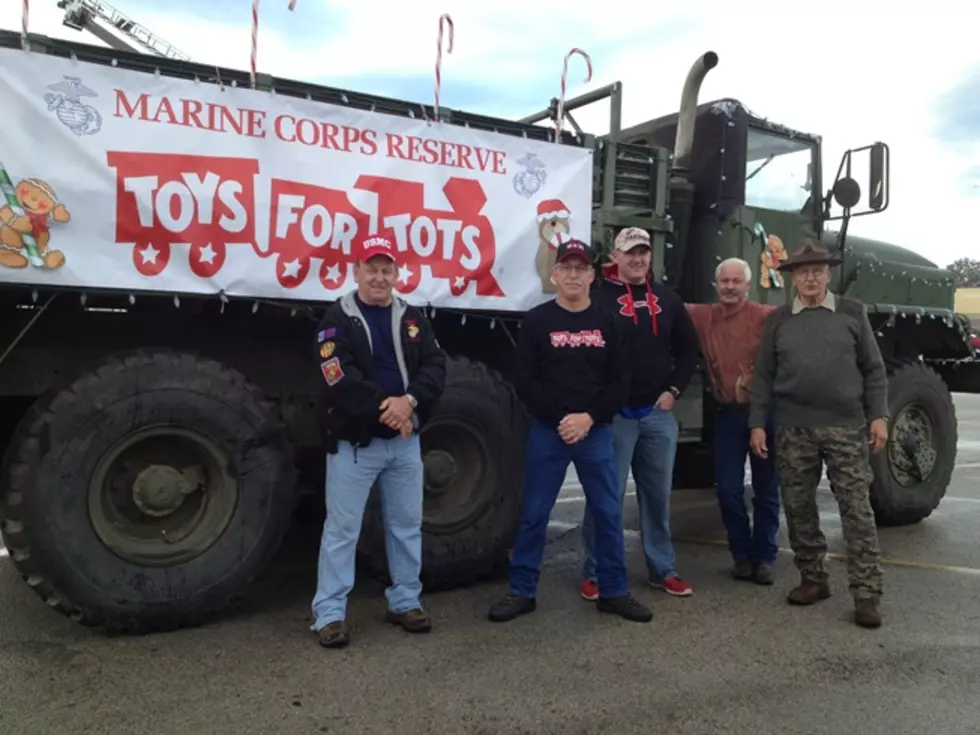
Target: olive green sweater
{"points": [[819, 367]]}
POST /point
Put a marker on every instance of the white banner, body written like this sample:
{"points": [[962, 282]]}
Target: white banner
{"points": [[116, 179]]}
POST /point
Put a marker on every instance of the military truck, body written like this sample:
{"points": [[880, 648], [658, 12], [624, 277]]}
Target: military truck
{"points": [[150, 523]]}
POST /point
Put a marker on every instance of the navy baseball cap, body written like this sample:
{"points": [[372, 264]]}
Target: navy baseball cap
{"points": [[572, 248]]}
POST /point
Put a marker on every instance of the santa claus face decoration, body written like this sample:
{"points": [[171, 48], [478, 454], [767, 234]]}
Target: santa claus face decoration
{"points": [[553, 224], [552, 219]]}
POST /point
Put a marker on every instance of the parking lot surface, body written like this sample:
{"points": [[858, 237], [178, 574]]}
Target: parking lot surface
{"points": [[733, 658]]}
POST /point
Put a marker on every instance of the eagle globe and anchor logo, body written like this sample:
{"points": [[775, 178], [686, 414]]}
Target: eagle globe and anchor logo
{"points": [[529, 181], [66, 101]]}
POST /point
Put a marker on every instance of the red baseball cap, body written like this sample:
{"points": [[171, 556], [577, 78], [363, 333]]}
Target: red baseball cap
{"points": [[374, 245]]}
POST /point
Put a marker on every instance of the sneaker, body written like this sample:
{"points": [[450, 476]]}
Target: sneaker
{"points": [[674, 586], [763, 574], [590, 590], [625, 607], [510, 607], [742, 569]]}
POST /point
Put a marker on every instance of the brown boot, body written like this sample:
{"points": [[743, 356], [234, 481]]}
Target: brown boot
{"points": [[867, 613], [334, 635], [414, 621], [808, 592]]}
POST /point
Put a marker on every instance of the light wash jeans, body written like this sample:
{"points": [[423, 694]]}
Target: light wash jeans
{"points": [[649, 445], [396, 464]]}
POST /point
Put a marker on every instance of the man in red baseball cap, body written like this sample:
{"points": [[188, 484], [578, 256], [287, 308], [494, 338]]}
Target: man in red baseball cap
{"points": [[383, 371], [571, 375]]}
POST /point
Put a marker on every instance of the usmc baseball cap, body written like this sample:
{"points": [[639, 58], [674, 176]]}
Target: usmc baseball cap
{"points": [[374, 245], [632, 237], [572, 248]]}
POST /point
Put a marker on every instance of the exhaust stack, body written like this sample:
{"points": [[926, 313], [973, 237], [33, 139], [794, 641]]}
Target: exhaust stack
{"points": [[684, 140]]}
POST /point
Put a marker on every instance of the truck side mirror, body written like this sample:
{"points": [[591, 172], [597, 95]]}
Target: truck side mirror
{"points": [[878, 177], [847, 192]]}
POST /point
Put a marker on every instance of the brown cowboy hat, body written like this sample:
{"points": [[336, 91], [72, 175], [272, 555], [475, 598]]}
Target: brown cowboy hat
{"points": [[810, 252]]}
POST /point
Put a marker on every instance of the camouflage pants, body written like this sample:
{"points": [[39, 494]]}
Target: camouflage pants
{"points": [[800, 454]]}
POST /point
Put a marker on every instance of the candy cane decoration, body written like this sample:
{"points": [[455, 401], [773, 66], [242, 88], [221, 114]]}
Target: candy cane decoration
{"points": [[255, 39], [255, 36], [564, 76], [444, 18]]}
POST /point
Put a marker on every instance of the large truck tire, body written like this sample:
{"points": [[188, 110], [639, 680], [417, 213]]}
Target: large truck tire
{"points": [[473, 454], [914, 469], [148, 492]]}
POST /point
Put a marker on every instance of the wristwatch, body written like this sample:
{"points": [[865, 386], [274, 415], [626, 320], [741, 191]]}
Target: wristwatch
{"points": [[411, 399], [674, 392]]}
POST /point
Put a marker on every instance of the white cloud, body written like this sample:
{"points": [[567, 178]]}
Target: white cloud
{"points": [[851, 75]]}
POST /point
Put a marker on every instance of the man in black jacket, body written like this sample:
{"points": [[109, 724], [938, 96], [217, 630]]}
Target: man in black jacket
{"points": [[571, 375], [663, 348], [383, 371]]}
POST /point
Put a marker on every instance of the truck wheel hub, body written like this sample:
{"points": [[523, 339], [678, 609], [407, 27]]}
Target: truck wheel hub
{"points": [[162, 495], [160, 489], [911, 451], [440, 468]]}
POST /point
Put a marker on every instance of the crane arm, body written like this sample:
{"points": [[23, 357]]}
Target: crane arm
{"points": [[96, 17]]}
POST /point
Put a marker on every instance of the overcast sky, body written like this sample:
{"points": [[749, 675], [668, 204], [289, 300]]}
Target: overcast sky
{"points": [[853, 72]]}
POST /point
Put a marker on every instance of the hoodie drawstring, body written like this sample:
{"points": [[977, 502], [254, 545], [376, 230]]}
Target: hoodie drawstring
{"points": [[653, 314], [632, 303], [650, 297], [608, 272]]}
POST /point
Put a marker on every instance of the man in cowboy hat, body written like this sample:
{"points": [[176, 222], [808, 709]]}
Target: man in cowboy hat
{"points": [[829, 393]]}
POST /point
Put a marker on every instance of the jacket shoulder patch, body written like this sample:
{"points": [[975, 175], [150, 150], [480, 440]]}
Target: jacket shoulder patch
{"points": [[332, 372]]}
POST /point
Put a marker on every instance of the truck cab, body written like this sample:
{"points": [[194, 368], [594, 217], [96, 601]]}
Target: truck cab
{"points": [[754, 185]]}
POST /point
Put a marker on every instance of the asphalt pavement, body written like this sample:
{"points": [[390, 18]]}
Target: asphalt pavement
{"points": [[733, 658]]}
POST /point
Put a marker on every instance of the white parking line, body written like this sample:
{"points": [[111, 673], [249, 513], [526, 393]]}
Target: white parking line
{"points": [[824, 490], [564, 526], [581, 498]]}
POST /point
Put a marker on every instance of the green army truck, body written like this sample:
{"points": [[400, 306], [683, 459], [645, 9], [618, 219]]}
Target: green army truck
{"points": [[148, 525]]}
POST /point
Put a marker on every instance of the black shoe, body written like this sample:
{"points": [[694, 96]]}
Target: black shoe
{"points": [[762, 574], [510, 607], [742, 569], [625, 607]]}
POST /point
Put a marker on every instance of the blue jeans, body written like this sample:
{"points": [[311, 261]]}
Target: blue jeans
{"points": [[396, 465], [649, 445], [548, 457], [756, 544]]}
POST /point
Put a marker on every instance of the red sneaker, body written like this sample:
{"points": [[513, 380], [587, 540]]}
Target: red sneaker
{"points": [[590, 590], [674, 586]]}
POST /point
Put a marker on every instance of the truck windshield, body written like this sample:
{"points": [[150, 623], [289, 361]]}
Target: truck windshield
{"points": [[777, 172]]}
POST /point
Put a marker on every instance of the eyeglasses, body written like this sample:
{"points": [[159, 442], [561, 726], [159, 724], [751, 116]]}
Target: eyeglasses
{"points": [[810, 271], [574, 267]]}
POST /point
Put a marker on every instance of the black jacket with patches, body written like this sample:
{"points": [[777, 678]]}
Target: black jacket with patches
{"points": [[343, 353], [663, 343]]}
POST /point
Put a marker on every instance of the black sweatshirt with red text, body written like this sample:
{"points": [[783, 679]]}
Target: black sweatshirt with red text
{"points": [[660, 336], [571, 362]]}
